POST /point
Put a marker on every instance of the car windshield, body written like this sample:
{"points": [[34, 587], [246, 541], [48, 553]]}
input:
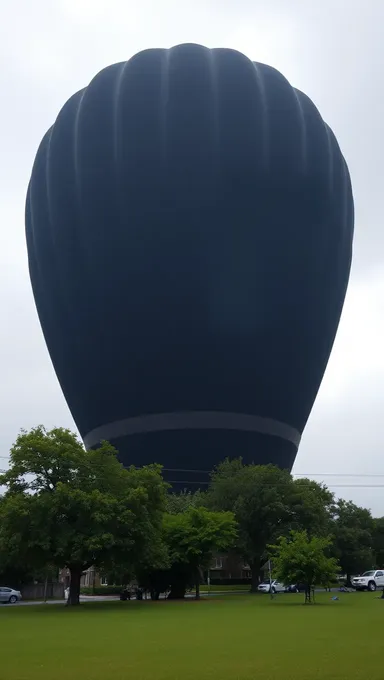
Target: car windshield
{"points": [[369, 573]]}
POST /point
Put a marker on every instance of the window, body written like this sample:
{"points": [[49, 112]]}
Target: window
{"points": [[217, 563], [379, 573], [103, 581]]}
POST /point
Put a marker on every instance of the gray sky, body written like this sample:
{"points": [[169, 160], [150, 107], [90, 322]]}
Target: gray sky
{"points": [[332, 50]]}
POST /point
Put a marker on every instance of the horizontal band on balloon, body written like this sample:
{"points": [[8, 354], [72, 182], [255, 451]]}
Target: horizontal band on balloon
{"points": [[192, 420]]}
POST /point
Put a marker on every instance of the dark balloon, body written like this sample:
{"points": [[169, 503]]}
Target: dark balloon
{"points": [[189, 223]]}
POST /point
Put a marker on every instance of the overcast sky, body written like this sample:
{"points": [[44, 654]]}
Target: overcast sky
{"points": [[332, 50]]}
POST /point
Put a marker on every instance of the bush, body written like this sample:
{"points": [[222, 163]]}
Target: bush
{"points": [[101, 590]]}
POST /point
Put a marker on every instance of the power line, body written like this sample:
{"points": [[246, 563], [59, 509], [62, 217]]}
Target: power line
{"points": [[297, 474], [294, 474], [335, 474], [329, 486]]}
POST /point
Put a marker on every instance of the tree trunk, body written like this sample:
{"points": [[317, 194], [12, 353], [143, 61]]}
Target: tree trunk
{"points": [[180, 579], [197, 584], [348, 581], [309, 594], [155, 594], [176, 594], [45, 588], [74, 586], [255, 568]]}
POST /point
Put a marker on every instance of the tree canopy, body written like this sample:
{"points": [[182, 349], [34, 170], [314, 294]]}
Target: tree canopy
{"points": [[191, 538], [180, 502], [268, 503], [353, 538], [76, 508], [298, 558], [258, 497], [378, 542], [312, 507], [64, 506]]}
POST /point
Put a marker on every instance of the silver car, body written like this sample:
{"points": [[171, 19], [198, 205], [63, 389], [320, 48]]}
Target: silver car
{"points": [[9, 595]]}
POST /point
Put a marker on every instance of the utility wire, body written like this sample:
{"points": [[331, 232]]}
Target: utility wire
{"points": [[294, 474], [298, 474]]}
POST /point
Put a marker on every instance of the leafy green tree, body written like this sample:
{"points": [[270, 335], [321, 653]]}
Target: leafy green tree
{"points": [[180, 502], [353, 538], [191, 537], [118, 575], [302, 559], [19, 573], [312, 507], [268, 503], [194, 535], [378, 542], [73, 508], [260, 497]]}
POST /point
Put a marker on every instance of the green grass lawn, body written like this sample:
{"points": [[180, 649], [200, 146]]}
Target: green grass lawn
{"points": [[223, 638]]}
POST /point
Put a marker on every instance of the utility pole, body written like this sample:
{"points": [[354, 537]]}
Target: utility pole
{"points": [[45, 587]]}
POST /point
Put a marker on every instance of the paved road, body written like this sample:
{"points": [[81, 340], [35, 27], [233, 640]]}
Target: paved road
{"points": [[83, 598], [111, 598]]}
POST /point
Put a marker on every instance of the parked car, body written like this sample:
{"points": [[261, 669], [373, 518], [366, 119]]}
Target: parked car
{"points": [[370, 580], [9, 595], [276, 587], [295, 588]]}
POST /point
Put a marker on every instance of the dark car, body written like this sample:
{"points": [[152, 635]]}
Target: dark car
{"points": [[295, 588]]}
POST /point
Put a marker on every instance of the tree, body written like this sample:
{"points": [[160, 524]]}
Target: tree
{"points": [[260, 496], [378, 544], [312, 507], [191, 538], [302, 559], [194, 535], [378, 541], [353, 538], [75, 508], [179, 502], [19, 572], [267, 504]]}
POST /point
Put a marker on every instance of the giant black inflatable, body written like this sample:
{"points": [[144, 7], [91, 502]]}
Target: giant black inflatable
{"points": [[189, 224]]}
